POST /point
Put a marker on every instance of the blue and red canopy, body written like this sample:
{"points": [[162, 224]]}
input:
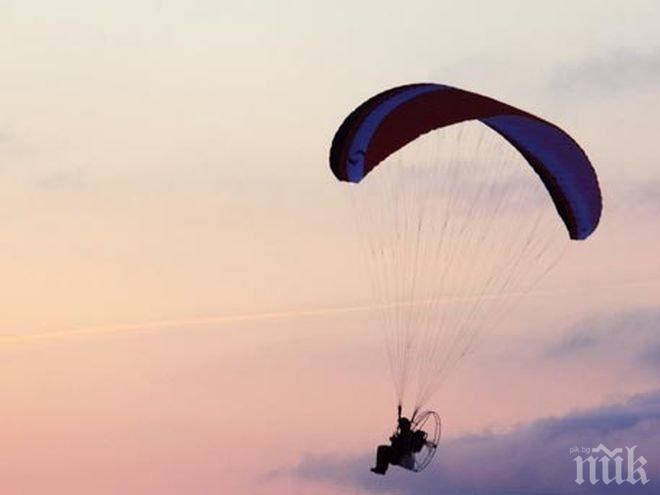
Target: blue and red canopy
{"points": [[390, 120]]}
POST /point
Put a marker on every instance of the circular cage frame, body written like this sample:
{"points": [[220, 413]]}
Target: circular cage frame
{"points": [[429, 422]]}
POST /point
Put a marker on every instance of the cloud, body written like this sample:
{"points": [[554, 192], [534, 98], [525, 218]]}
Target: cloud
{"points": [[631, 333], [632, 198], [640, 197], [652, 355], [572, 343], [532, 459], [63, 179], [618, 70]]}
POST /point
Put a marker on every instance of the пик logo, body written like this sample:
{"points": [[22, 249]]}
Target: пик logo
{"points": [[610, 465]]}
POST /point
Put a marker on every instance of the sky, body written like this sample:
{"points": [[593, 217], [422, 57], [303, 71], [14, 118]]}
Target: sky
{"points": [[181, 312]]}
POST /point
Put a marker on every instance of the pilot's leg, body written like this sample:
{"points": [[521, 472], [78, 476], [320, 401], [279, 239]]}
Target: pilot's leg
{"points": [[382, 459]]}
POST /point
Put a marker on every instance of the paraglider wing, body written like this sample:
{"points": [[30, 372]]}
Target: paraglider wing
{"points": [[390, 120]]}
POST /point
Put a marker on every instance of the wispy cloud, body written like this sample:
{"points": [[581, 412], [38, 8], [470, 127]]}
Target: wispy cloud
{"points": [[532, 459], [63, 179], [633, 334], [640, 197], [623, 69]]}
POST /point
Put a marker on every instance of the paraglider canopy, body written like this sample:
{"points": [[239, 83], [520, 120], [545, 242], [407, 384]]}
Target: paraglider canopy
{"points": [[388, 121]]}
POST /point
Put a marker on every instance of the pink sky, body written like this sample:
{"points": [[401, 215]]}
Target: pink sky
{"points": [[167, 162]]}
